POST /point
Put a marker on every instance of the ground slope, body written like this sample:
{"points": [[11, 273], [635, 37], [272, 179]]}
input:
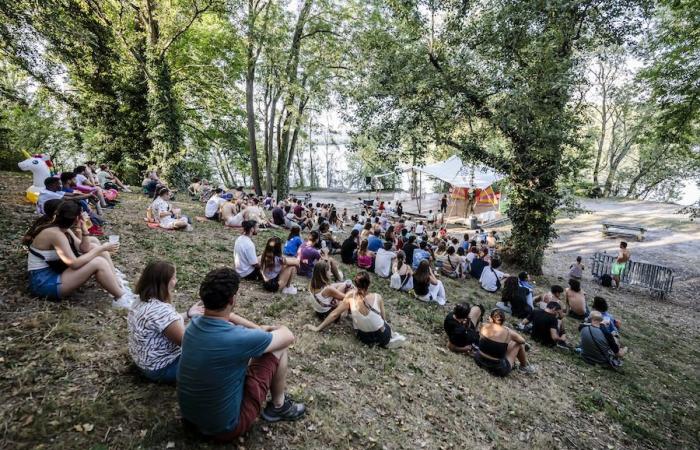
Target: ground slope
{"points": [[66, 380]]}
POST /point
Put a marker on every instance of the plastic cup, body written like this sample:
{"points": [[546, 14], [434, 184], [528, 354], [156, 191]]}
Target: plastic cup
{"points": [[113, 239]]}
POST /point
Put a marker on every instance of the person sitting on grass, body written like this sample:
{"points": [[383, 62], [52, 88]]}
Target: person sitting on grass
{"points": [[490, 279], [575, 300], [426, 286], [309, 254], [368, 317], [277, 270], [56, 271], [461, 326], [365, 258], [86, 186], [327, 237], [402, 278], [500, 346], [554, 295], [451, 264], [213, 206], [384, 261], [524, 281], [325, 295], [348, 249], [52, 191], [598, 346], [68, 186], [514, 299], [232, 213], [375, 241], [576, 269], [478, 263], [167, 217], [108, 180], [228, 365], [409, 248], [547, 326], [155, 327], [611, 324], [421, 254], [294, 241], [245, 258]]}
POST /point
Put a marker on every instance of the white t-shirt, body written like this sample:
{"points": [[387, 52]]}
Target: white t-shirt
{"points": [[382, 263], [148, 346], [420, 229], [488, 278], [244, 257], [81, 179], [158, 206], [470, 257], [213, 205], [44, 196]]}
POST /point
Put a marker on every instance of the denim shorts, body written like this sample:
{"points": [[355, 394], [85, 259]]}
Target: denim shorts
{"points": [[45, 283], [166, 374]]}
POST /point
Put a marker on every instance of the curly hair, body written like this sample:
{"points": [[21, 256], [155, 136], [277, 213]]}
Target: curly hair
{"points": [[218, 287]]}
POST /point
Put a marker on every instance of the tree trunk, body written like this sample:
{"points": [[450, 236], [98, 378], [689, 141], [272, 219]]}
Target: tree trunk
{"points": [[251, 62], [603, 122]]}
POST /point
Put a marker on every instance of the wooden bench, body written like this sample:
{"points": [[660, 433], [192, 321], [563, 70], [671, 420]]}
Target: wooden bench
{"points": [[658, 279], [624, 229]]}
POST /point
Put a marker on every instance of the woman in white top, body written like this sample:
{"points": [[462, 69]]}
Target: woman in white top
{"points": [[368, 317], [166, 216], [155, 327], [277, 270], [324, 295], [55, 270]]}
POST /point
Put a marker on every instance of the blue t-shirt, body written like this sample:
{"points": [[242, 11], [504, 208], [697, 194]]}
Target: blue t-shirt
{"points": [[211, 376], [292, 245], [418, 256], [374, 243]]}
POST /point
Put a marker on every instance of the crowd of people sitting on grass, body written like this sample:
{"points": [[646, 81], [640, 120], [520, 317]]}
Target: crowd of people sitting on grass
{"points": [[225, 365]]}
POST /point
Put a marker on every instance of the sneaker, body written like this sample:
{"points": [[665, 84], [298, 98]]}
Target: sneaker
{"points": [[289, 411], [189, 228], [289, 290], [124, 301], [126, 189], [397, 340], [564, 346], [529, 369]]}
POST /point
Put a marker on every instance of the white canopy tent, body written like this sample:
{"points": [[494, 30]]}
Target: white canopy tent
{"points": [[455, 172]]}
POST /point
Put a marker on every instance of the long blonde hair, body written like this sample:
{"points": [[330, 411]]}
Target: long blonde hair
{"points": [[319, 276]]}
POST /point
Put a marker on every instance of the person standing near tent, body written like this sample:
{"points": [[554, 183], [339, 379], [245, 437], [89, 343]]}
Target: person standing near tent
{"points": [[443, 204]]}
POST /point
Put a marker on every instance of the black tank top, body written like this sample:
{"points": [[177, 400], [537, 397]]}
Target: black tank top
{"points": [[420, 288], [492, 348]]}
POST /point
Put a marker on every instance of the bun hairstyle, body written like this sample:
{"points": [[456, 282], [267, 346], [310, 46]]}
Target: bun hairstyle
{"points": [[162, 191], [361, 282], [497, 316]]}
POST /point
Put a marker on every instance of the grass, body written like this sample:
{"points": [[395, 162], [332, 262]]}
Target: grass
{"points": [[66, 380]]}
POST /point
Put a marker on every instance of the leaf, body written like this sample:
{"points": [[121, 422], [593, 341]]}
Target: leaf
{"points": [[170, 444], [88, 427]]}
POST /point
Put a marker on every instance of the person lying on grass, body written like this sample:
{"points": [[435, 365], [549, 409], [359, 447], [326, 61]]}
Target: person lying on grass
{"points": [[155, 327], [499, 347], [277, 270], [55, 270], [368, 317], [227, 366], [324, 295], [167, 217], [462, 327]]}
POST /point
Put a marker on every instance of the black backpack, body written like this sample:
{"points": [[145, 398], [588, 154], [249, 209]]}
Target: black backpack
{"points": [[606, 280]]}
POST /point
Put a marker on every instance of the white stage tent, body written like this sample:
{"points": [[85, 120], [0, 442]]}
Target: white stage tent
{"points": [[456, 173]]}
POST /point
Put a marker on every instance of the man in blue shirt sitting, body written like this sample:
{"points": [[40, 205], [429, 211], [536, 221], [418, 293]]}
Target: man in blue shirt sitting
{"points": [[375, 242], [228, 365], [420, 254]]}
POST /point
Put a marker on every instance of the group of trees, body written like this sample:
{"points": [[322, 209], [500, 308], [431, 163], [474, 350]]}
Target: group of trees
{"points": [[239, 89]]}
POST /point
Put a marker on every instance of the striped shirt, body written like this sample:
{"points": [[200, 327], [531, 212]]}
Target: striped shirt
{"points": [[149, 347]]}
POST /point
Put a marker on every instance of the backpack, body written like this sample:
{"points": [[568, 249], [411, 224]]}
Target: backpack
{"points": [[606, 280]]}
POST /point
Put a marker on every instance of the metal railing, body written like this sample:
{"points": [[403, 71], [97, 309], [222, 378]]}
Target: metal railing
{"points": [[658, 279]]}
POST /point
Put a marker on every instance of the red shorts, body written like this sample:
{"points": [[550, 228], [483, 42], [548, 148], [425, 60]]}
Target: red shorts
{"points": [[257, 385]]}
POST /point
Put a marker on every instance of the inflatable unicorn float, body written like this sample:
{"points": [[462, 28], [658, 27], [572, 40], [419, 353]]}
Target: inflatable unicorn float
{"points": [[41, 167]]}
